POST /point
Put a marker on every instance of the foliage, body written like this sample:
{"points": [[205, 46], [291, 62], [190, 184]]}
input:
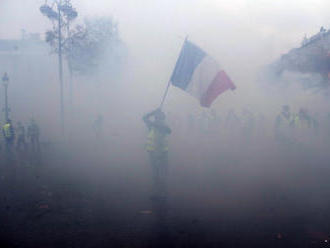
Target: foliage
{"points": [[92, 44]]}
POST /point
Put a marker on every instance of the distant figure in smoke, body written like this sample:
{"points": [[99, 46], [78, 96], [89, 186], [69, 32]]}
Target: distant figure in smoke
{"points": [[284, 126], [306, 127], [213, 121], [204, 121], [306, 120], [98, 126], [215, 117], [232, 125], [20, 142], [232, 120], [260, 125], [157, 148], [248, 124], [9, 135], [33, 134]]}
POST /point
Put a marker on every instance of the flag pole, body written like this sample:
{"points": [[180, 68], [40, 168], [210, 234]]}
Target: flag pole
{"points": [[169, 82], [165, 94]]}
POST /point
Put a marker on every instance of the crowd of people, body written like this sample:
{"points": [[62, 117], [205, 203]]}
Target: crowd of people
{"points": [[287, 129], [285, 126], [19, 137], [295, 128]]}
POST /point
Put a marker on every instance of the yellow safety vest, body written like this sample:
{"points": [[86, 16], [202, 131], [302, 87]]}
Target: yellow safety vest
{"points": [[296, 121], [7, 131], [301, 123], [156, 141]]}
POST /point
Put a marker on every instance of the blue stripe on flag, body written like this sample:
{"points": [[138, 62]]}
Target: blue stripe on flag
{"points": [[190, 57]]}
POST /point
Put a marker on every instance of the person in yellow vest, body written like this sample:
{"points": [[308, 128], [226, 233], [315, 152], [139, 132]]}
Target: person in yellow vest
{"points": [[157, 147], [8, 134], [306, 127]]}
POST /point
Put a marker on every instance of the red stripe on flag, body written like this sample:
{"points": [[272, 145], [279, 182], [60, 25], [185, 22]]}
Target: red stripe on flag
{"points": [[220, 84]]}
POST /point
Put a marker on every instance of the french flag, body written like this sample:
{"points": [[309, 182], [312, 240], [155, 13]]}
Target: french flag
{"points": [[200, 75]]}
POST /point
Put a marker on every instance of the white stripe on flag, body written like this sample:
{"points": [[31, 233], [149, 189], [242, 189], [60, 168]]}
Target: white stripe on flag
{"points": [[202, 77]]}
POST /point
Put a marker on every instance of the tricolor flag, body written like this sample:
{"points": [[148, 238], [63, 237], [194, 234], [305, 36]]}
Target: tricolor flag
{"points": [[200, 75]]}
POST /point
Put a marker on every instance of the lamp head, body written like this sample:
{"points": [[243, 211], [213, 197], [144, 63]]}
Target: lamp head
{"points": [[5, 78]]}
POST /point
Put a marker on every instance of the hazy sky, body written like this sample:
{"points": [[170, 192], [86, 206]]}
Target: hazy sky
{"points": [[180, 17], [274, 25], [241, 34]]}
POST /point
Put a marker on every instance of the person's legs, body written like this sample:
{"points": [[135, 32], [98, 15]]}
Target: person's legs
{"points": [[162, 204], [154, 168], [9, 144], [163, 173]]}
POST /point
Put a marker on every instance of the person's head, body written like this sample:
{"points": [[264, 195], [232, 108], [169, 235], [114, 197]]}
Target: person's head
{"points": [[159, 115]]}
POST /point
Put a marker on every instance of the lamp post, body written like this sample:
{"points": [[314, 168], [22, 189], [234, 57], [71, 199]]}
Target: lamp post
{"points": [[61, 13], [5, 80], [70, 15]]}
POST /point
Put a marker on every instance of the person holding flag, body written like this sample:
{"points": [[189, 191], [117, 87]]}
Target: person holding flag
{"points": [[200, 75], [196, 73], [157, 147]]}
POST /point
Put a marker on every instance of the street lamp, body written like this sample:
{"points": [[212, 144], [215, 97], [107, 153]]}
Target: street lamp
{"points": [[62, 12], [5, 80]]}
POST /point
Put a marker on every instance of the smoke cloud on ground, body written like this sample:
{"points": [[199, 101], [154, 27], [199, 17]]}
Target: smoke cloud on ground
{"points": [[231, 182]]}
